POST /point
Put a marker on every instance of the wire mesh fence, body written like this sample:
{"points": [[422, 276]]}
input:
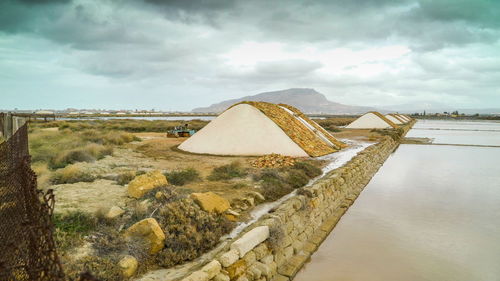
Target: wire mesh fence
{"points": [[27, 248], [27, 251]]}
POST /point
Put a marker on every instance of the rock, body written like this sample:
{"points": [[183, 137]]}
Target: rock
{"points": [[114, 212], [229, 258], [249, 201], [267, 259], [257, 195], [237, 269], [129, 265], [250, 239], [212, 269], [232, 215], [197, 276], [140, 185], [264, 269], [211, 202], [261, 251], [221, 277], [150, 231]]}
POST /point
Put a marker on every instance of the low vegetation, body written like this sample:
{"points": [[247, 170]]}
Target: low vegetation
{"points": [[61, 148], [71, 174], [227, 172], [127, 125], [279, 182], [57, 148], [395, 134], [191, 232], [125, 177], [71, 227], [182, 177]]}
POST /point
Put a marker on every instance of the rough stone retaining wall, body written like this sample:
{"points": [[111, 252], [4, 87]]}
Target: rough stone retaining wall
{"points": [[277, 246]]}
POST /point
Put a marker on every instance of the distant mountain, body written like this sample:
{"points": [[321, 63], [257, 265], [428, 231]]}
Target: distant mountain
{"points": [[307, 100]]}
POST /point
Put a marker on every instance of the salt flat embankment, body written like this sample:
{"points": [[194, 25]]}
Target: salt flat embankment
{"points": [[279, 243]]}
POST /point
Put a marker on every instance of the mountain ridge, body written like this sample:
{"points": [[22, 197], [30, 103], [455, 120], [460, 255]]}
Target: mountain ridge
{"points": [[305, 99]]}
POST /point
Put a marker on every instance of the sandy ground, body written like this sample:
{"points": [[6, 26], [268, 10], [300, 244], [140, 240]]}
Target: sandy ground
{"points": [[155, 151]]}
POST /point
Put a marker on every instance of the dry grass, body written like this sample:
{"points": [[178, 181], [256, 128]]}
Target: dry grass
{"points": [[127, 125], [43, 173], [190, 231], [71, 174], [125, 177], [276, 183], [182, 177], [227, 172], [60, 148]]}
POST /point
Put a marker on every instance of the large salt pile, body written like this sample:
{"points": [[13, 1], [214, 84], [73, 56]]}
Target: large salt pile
{"points": [[404, 117], [372, 120], [259, 128], [395, 119]]}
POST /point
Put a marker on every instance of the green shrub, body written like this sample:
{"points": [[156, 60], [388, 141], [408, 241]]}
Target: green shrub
{"points": [[273, 184], [297, 178], [226, 172], [87, 153], [395, 134], [191, 231], [71, 174], [278, 182], [71, 227], [75, 222], [182, 177], [309, 169]]}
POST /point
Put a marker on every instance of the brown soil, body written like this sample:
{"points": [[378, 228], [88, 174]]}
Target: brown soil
{"points": [[155, 151]]}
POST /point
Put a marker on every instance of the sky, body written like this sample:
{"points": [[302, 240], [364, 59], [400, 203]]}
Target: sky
{"points": [[178, 54]]}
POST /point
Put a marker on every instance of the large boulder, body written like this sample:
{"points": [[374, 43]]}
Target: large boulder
{"points": [[250, 240], [149, 231], [211, 202], [142, 184]]}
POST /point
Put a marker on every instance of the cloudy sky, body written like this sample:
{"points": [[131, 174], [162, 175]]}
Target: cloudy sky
{"points": [[181, 54]]}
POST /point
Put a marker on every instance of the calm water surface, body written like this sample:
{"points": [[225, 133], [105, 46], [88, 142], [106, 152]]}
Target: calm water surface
{"points": [[430, 213], [458, 132]]}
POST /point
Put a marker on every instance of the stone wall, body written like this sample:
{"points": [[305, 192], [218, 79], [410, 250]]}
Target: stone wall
{"points": [[278, 245]]}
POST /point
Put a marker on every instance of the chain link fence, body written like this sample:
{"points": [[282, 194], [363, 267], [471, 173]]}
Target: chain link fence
{"points": [[27, 248]]}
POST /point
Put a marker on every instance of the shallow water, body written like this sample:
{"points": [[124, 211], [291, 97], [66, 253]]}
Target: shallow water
{"points": [[430, 213], [458, 132]]}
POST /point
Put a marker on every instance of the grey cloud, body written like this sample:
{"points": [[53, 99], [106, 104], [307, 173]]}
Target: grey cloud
{"points": [[484, 13], [452, 42], [288, 69]]}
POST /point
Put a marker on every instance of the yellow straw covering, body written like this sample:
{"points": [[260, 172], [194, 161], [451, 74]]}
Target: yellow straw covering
{"points": [[293, 128], [331, 138], [384, 118], [398, 117]]}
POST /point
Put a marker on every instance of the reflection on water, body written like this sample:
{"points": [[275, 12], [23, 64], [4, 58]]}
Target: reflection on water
{"points": [[430, 213], [458, 132]]}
